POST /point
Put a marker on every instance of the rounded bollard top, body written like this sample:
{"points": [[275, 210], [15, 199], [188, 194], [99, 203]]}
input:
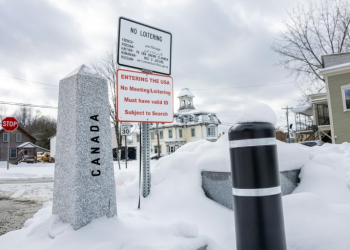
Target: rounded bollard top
{"points": [[251, 130]]}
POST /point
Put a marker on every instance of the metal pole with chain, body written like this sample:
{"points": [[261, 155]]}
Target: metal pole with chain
{"points": [[146, 185]]}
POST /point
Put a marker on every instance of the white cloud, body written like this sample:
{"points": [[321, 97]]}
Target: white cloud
{"points": [[216, 45]]}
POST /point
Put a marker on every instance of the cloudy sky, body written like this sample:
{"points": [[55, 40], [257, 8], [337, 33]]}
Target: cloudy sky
{"points": [[220, 48]]}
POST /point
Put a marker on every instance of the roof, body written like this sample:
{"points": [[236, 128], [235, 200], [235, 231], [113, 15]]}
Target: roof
{"points": [[335, 70], [51, 136], [24, 132], [185, 92], [305, 110], [192, 112], [31, 145]]}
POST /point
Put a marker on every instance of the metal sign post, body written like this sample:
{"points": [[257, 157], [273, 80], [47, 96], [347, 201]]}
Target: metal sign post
{"points": [[126, 130], [9, 124], [126, 152], [146, 185], [8, 150]]}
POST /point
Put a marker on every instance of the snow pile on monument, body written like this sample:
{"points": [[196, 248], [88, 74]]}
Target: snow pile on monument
{"points": [[178, 215]]}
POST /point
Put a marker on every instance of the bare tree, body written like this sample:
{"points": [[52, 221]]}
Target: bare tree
{"points": [[309, 32], [107, 67], [39, 126], [24, 116]]}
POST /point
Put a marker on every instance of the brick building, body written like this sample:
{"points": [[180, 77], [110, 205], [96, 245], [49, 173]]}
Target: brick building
{"points": [[17, 137]]}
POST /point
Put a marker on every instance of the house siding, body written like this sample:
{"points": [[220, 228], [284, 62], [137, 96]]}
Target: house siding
{"points": [[13, 143], [341, 119]]}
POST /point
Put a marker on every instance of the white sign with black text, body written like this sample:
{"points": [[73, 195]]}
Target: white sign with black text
{"points": [[144, 97], [125, 129], [144, 47]]}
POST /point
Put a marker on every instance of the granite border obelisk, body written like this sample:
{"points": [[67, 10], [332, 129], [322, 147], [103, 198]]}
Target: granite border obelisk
{"points": [[84, 185]]}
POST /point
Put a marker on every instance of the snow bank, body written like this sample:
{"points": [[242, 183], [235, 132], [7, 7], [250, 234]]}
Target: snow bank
{"points": [[26, 170], [129, 231], [292, 156], [178, 215], [257, 112]]}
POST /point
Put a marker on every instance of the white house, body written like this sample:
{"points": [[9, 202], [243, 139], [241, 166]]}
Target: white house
{"points": [[189, 125], [53, 145]]}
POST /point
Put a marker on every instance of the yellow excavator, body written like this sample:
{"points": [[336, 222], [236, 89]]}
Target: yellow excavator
{"points": [[45, 157]]}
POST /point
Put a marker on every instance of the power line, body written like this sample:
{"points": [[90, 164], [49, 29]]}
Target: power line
{"points": [[27, 105], [24, 66], [29, 81], [251, 86], [21, 57]]}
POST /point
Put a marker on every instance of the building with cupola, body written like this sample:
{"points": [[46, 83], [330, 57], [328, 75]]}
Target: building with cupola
{"points": [[189, 125]]}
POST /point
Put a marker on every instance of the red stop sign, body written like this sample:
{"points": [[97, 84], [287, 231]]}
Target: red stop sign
{"points": [[9, 123]]}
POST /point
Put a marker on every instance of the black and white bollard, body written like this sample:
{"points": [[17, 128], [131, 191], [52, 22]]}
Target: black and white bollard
{"points": [[256, 187]]}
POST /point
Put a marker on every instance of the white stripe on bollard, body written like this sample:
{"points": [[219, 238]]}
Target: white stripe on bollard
{"points": [[256, 192], [253, 142]]}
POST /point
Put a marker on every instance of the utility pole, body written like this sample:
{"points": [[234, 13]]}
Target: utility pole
{"points": [[287, 114], [158, 140]]}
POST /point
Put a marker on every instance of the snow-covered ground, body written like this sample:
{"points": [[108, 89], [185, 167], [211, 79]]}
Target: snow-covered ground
{"points": [[26, 170], [42, 192], [177, 214]]}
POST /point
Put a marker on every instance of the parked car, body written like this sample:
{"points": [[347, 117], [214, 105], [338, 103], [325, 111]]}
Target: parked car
{"points": [[45, 157], [311, 143]]}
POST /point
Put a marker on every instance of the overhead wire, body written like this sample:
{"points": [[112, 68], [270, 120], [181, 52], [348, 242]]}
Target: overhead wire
{"points": [[28, 105], [21, 57], [249, 86], [21, 79]]}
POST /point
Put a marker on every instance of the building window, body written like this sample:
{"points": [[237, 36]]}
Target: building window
{"points": [[18, 137], [346, 97], [161, 134], [13, 153], [152, 135], [170, 133], [193, 132], [5, 137], [172, 149], [138, 138], [211, 131], [180, 133]]}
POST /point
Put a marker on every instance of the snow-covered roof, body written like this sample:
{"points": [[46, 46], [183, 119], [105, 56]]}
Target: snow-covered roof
{"points": [[305, 110], [333, 70], [186, 92], [192, 112], [175, 140], [26, 145], [31, 145]]}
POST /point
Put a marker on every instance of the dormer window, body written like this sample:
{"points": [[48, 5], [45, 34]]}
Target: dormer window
{"points": [[189, 102], [183, 103]]}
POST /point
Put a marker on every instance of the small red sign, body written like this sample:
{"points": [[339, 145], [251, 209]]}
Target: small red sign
{"points": [[9, 124]]}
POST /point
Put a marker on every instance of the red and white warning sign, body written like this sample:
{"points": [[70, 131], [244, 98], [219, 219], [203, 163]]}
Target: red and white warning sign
{"points": [[144, 97]]}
